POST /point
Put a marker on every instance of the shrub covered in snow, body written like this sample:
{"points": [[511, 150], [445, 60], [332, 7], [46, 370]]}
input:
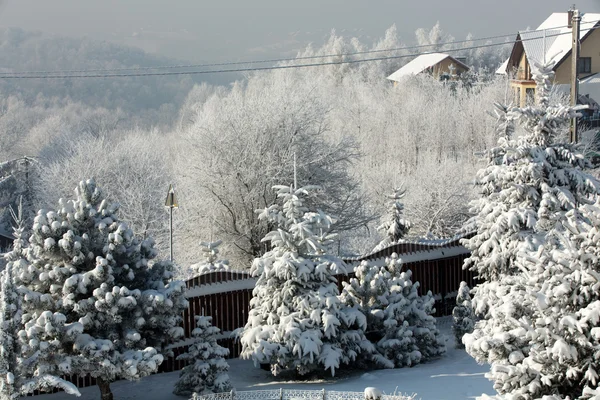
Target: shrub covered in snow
{"points": [[206, 371], [463, 318], [85, 273], [296, 320]]}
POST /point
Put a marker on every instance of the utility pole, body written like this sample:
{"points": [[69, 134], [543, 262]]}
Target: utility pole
{"points": [[171, 202], [295, 173], [574, 22]]}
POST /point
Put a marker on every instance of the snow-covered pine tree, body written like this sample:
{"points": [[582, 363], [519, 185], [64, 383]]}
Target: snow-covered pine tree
{"points": [[528, 181], [463, 318], [211, 262], [86, 266], [399, 321], [368, 291], [8, 320], [396, 226], [529, 331], [296, 320], [206, 371], [411, 335], [547, 317], [17, 375]]}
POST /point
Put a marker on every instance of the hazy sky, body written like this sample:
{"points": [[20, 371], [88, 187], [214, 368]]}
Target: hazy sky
{"points": [[200, 30]]}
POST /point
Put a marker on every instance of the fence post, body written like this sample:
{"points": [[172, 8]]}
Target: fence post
{"points": [[232, 394], [323, 393], [280, 393]]}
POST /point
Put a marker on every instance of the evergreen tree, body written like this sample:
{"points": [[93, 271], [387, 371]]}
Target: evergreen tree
{"points": [[399, 321], [411, 335], [541, 338], [210, 252], [296, 320], [534, 295], [8, 319], [206, 371], [21, 373], [529, 181], [101, 283], [395, 227], [368, 291], [463, 318]]}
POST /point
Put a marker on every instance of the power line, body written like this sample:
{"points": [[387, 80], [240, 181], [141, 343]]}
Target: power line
{"points": [[277, 60], [83, 74], [265, 61]]}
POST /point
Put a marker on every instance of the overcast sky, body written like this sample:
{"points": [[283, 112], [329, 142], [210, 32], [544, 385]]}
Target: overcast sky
{"points": [[200, 31]]}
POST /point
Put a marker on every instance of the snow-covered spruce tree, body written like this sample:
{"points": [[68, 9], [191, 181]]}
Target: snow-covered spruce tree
{"points": [[411, 335], [463, 318], [22, 375], [399, 321], [368, 291], [206, 371], [528, 181], [530, 187], [211, 262], [9, 316], [88, 268], [296, 320], [542, 337], [396, 226]]}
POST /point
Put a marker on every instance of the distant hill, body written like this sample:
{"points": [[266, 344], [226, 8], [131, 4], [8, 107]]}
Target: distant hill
{"points": [[34, 51]]}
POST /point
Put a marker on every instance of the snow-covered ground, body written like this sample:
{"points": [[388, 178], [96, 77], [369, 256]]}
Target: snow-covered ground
{"points": [[455, 376]]}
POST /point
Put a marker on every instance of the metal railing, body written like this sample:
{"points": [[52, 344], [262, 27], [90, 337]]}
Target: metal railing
{"points": [[295, 394]]}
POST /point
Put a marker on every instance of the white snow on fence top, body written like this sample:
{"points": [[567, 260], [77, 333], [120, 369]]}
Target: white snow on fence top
{"points": [[220, 287], [557, 42], [421, 63], [432, 244]]}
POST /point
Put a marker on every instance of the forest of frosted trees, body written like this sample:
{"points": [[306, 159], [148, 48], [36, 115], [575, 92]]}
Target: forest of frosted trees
{"points": [[223, 147]]}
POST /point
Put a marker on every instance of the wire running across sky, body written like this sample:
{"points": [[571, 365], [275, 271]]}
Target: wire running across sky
{"points": [[156, 71]]}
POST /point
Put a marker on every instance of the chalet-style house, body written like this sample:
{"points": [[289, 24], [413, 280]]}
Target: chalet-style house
{"points": [[551, 43], [439, 65]]}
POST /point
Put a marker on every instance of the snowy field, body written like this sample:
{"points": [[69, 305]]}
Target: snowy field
{"points": [[455, 376]]}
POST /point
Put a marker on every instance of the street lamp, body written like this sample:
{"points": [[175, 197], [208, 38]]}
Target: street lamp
{"points": [[171, 202]]}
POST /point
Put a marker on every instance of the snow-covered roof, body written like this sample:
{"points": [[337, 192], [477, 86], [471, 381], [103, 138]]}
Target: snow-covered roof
{"points": [[551, 41], [421, 63], [590, 80], [502, 68]]}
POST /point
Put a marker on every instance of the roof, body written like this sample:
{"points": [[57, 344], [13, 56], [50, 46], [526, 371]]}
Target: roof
{"points": [[551, 41], [590, 80], [421, 63], [502, 68]]}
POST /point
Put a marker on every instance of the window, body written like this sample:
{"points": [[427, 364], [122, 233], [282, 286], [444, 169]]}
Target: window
{"points": [[585, 65]]}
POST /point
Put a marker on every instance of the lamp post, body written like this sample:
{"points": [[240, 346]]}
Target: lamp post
{"points": [[171, 202]]}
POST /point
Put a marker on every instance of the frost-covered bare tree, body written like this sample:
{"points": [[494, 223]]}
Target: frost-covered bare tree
{"points": [[242, 142], [133, 170]]}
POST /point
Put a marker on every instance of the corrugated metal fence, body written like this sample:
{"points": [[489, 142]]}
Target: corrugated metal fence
{"points": [[436, 265]]}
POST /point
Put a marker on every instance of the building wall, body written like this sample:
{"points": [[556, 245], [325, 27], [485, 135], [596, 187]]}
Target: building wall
{"points": [[443, 67], [590, 47]]}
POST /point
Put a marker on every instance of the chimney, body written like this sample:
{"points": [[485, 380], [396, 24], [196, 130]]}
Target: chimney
{"points": [[570, 16]]}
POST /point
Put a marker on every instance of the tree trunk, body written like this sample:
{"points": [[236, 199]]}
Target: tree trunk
{"points": [[105, 393]]}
